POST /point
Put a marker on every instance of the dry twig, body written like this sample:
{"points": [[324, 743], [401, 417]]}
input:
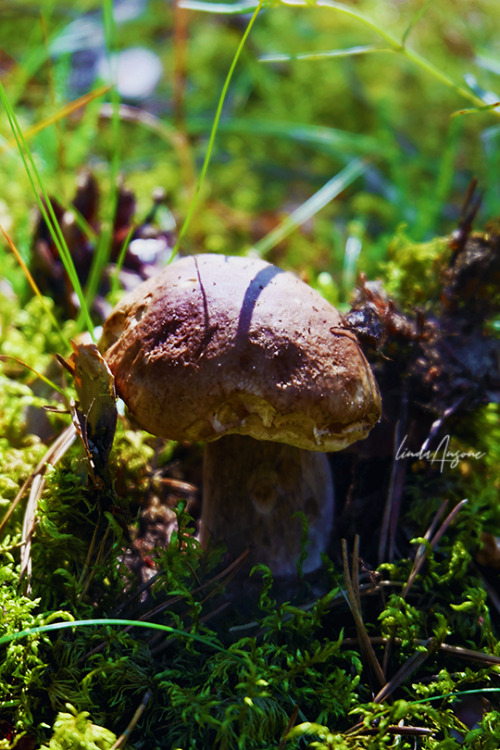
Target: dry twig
{"points": [[354, 602]]}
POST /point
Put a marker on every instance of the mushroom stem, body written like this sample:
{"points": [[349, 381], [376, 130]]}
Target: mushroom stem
{"points": [[251, 491]]}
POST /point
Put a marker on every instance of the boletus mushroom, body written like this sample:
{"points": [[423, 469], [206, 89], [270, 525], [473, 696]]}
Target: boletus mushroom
{"points": [[240, 354]]}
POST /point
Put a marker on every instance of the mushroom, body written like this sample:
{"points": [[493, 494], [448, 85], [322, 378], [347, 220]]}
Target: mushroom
{"points": [[247, 357]]}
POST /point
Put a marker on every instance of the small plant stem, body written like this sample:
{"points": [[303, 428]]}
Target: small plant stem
{"points": [[97, 561], [115, 277], [36, 290], [399, 47], [224, 577], [215, 126], [86, 565], [63, 112], [103, 252], [350, 11], [467, 654], [135, 718], [37, 481], [46, 380], [68, 435], [354, 605], [398, 730], [289, 727], [404, 672], [355, 573], [421, 553], [432, 70], [46, 209], [398, 473]]}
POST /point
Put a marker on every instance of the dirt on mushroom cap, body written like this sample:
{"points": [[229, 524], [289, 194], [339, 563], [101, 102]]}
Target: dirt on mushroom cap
{"points": [[218, 345]]}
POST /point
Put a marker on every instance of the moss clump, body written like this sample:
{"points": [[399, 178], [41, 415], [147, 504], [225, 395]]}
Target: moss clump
{"points": [[412, 273], [75, 731]]}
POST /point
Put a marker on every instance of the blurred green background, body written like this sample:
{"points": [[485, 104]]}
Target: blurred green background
{"points": [[318, 86]]}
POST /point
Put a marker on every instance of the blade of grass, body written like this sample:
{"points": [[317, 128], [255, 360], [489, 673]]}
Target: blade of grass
{"points": [[36, 290], [348, 52], [40, 375], [115, 277], [477, 691], [414, 21], [51, 456], [215, 126], [311, 206], [332, 141], [114, 621], [45, 206], [245, 6], [431, 206], [103, 251], [65, 111], [476, 110]]}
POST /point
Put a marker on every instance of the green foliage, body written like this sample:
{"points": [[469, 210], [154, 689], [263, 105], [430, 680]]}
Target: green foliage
{"points": [[24, 663], [75, 731], [243, 698], [412, 272], [287, 126], [487, 735], [402, 618]]}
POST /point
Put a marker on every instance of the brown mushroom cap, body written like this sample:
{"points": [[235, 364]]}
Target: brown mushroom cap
{"points": [[217, 345]]}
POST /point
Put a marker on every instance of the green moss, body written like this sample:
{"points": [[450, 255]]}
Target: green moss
{"points": [[75, 731], [413, 271]]}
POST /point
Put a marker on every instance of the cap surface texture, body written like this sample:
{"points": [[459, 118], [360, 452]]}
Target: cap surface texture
{"points": [[217, 345]]}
